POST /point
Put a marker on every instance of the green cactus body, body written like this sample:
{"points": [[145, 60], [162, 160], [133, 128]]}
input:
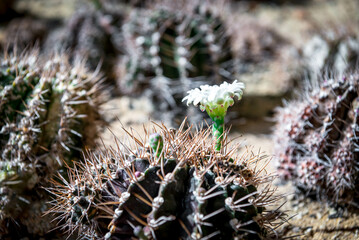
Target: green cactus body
{"points": [[172, 51], [156, 143], [193, 192], [44, 113]]}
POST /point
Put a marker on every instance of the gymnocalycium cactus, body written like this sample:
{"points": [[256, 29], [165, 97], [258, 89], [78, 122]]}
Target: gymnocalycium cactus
{"points": [[317, 140], [176, 187], [170, 51], [46, 108]]}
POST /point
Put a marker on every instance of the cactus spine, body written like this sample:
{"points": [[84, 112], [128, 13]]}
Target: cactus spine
{"points": [[317, 138], [190, 192], [45, 109]]}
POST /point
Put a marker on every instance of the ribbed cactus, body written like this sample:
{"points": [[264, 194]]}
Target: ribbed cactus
{"points": [[94, 32], [317, 140], [331, 53], [46, 109], [170, 51], [188, 191]]}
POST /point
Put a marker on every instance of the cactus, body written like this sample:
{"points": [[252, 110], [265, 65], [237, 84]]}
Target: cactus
{"points": [[25, 32], [94, 31], [331, 53], [180, 185], [316, 140], [190, 191], [169, 52], [46, 110]]}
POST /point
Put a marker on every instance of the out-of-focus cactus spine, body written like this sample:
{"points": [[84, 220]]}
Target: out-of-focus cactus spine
{"points": [[317, 140], [171, 51], [46, 109]]}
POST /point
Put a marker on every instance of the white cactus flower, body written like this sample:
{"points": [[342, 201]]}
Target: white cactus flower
{"points": [[215, 99]]}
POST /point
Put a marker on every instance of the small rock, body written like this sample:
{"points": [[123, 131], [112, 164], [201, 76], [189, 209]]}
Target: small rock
{"points": [[333, 213], [309, 231], [299, 216]]}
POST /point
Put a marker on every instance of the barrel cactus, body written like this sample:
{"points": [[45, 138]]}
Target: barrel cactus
{"points": [[46, 109], [170, 51], [171, 184], [317, 140], [332, 52], [93, 31]]}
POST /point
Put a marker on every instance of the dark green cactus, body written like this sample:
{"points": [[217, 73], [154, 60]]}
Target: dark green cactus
{"points": [[190, 192], [94, 32], [46, 109], [170, 51]]}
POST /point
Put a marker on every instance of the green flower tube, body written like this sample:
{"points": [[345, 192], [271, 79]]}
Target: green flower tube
{"points": [[215, 100]]}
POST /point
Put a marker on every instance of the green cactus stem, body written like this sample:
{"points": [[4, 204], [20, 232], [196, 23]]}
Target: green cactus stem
{"points": [[215, 100]]}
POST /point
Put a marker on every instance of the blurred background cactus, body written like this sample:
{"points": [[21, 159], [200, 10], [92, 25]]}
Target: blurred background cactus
{"points": [[170, 51], [46, 108], [180, 187], [332, 52], [316, 140], [94, 32]]}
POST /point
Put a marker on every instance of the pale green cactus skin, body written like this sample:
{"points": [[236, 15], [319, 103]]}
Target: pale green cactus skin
{"points": [[45, 109]]}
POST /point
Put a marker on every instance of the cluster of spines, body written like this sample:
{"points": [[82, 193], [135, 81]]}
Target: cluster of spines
{"points": [[317, 143], [42, 109], [173, 51], [189, 191]]}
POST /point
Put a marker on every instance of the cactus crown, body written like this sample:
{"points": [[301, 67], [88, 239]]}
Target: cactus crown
{"points": [[190, 191]]}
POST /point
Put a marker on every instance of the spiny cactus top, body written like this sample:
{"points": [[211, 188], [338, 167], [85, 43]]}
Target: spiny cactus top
{"points": [[215, 100], [170, 51], [46, 108], [189, 191], [317, 140]]}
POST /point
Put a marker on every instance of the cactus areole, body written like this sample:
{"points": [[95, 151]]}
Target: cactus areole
{"points": [[215, 100]]}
